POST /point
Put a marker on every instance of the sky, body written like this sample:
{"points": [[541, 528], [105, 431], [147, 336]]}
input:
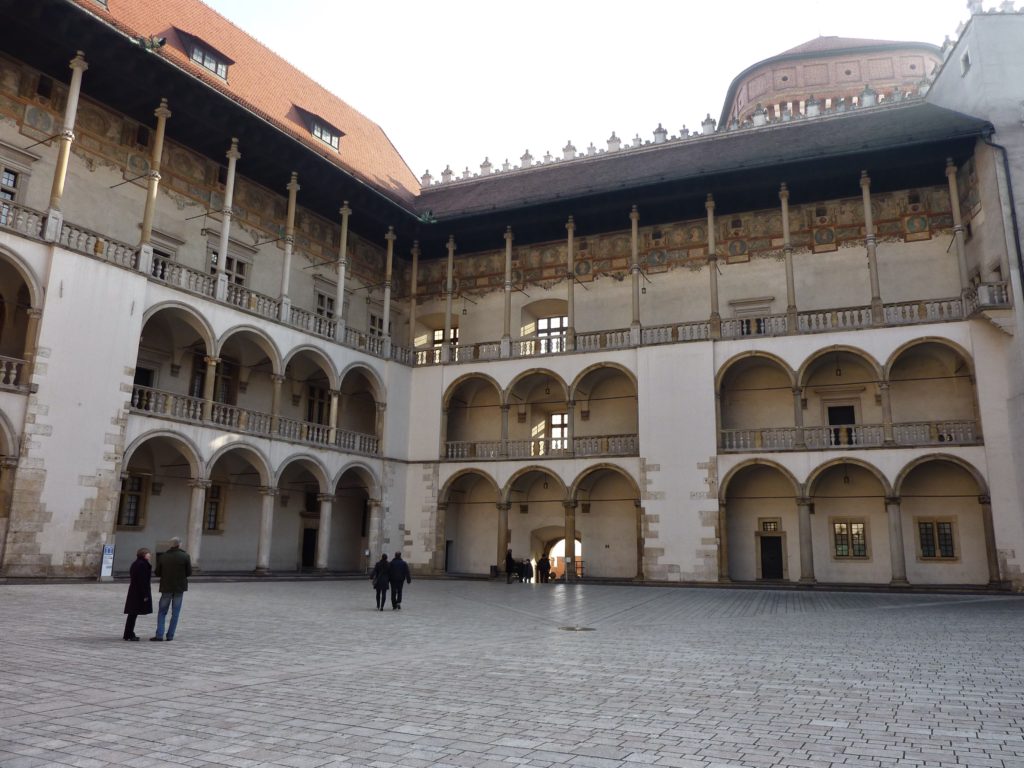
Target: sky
{"points": [[454, 82]]}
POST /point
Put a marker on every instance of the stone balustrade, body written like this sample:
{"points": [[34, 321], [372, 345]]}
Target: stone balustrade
{"points": [[12, 374], [83, 240], [535, 448], [852, 436], [258, 303], [22, 220], [179, 276]]}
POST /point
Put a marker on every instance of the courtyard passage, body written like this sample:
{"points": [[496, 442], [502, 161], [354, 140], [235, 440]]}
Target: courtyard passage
{"points": [[483, 674]]}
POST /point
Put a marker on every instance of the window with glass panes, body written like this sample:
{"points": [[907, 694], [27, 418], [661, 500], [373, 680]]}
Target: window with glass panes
{"points": [[318, 405], [216, 65], [377, 325], [936, 539], [551, 332], [559, 431], [133, 490], [236, 269], [849, 539], [214, 518], [8, 191], [326, 135], [324, 305]]}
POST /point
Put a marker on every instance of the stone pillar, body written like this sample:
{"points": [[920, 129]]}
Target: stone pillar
{"points": [[266, 530], [503, 538], [378, 424], [339, 296], [506, 332], [446, 349], [209, 385], [375, 531], [991, 553], [388, 265], [787, 249], [570, 431], [323, 535], [145, 263], [897, 555], [221, 289], [54, 218], [35, 316], [716, 317], [196, 514], [413, 288], [570, 281], [276, 380], [289, 245], [634, 271], [887, 432], [877, 310], [639, 539], [504, 428], [958, 225], [333, 420], [440, 538], [803, 505], [800, 440], [570, 540], [723, 542]]}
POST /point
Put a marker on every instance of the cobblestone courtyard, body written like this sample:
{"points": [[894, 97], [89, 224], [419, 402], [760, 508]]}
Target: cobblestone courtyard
{"points": [[481, 674]]}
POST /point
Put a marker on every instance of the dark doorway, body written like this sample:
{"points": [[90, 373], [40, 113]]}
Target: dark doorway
{"points": [[841, 417], [447, 553], [309, 547], [771, 557]]}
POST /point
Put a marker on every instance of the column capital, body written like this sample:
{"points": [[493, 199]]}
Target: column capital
{"points": [[503, 506], [233, 153], [79, 63], [803, 501], [210, 360], [451, 243], [783, 192], [391, 236], [884, 386], [200, 482], [984, 499], [277, 378], [950, 167], [571, 504], [709, 202], [415, 250], [865, 180], [893, 500], [293, 184], [34, 312], [345, 211], [570, 225], [266, 490], [634, 214], [162, 112], [509, 237], [322, 497], [442, 506]]}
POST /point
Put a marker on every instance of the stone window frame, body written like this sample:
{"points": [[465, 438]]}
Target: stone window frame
{"points": [[935, 521], [218, 492], [143, 493], [324, 297], [781, 533], [20, 162], [851, 557], [207, 58]]}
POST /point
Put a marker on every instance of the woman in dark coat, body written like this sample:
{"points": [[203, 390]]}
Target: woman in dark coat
{"points": [[140, 595], [379, 577]]}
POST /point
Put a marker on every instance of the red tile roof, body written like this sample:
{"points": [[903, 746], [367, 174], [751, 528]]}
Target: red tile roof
{"points": [[266, 84]]}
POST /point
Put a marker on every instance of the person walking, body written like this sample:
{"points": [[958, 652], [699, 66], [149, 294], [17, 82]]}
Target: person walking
{"points": [[173, 567], [543, 568], [140, 595], [398, 572], [380, 578], [510, 567]]}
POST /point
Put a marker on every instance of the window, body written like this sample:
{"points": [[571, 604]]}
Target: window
{"points": [[551, 332], [438, 337], [44, 87], [225, 389], [376, 326], [8, 190], [318, 405], [325, 134], [770, 526], [559, 431], [133, 498], [210, 60], [935, 538], [213, 518], [324, 304], [236, 269], [849, 539]]}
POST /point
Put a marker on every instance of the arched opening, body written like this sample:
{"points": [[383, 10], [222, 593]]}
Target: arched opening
{"points": [[762, 540], [538, 416], [244, 392], [429, 339], [16, 326], [555, 553], [474, 419], [306, 399], [842, 401], [472, 535], [608, 518], [299, 525], [360, 408], [171, 366], [231, 513], [933, 397], [756, 401], [351, 533], [536, 514], [605, 418], [545, 323]]}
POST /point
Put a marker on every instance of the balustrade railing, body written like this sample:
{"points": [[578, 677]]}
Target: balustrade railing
{"points": [[240, 419], [766, 439], [83, 240], [365, 341], [597, 445], [605, 445], [304, 431], [910, 312], [466, 353], [12, 373], [357, 442], [844, 436], [935, 433], [986, 296], [833, 319], [768, 325], [312, 322], [178, 275], [168, 404], [25, 221], [259, 303]]}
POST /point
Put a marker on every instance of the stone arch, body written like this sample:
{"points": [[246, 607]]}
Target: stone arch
{"points": [[596, 367], [732, 361], [365, 473], [967, 466], [8, 436], [507, 393], [192, 318], [940, 340], [185, 446], [577, 484], [453, 386], [252, 454], [35, 289], [835, 349], [506, 491], [377, 384], [262, 340], [319, 356], [443, 496], [310, 463], [723, 484], [817, 472]]}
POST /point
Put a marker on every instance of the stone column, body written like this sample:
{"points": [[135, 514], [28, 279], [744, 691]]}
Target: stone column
{"points": [[803, 505], [877, 310], [440, 538], [35, 316], [634, 271], [323, 536], [54, 218], [276, 380], [388, 265], [504, 428], [570, 540], [723, 542], [446, 349], [289, 244], [209, 385], [570, 431], [333, 420], [196, 513], [225, 227], [897, 555], [991, 553], [958, 225], [506, 333], [639, 540], [375, 531], [800, 440], [887, 431], [413, 288], [787, 249], [570, 280], [716, 317], [339, 296], [503, 537], [266, 530], [145, 248]]}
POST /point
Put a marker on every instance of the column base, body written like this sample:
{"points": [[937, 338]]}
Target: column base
{"points": [[220, 289], [899, 583], [506, 348], [339, 331], [285, 314], [808, 580], [260, 571], [634, 335], [144, 261], [54, 224]]}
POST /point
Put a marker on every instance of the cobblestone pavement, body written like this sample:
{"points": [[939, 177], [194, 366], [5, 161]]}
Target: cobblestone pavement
{"points": [[481, 674]]}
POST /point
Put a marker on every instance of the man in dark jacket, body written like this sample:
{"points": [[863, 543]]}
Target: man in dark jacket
{"points": [[173, 567], [398, 571]]}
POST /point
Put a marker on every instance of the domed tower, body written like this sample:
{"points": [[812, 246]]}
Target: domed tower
{"points": [[829, 69]]}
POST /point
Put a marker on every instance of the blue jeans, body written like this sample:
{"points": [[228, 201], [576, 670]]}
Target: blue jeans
{"points": [[170, 600]]}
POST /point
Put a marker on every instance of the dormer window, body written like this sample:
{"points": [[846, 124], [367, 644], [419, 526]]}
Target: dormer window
{"points": [[326, 134], [209, 60], [320, 128]]}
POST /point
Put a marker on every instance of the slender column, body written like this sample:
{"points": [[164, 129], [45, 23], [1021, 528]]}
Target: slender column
{"points": [[639, 539], [723, 542], [446, 349], [440, 538], [375, 533], [266, 529], [504, 428], [323, 534], [413, 288], [378, 424], [570, 420], [887, 433], [958, 224], [506, 332], [570, 540], [31, 341], [145, 248], [787, 249], [209, 384], [716, 318], [897, 556], [289, 245], [877, 311], [276, 380], [388, 266], [634, 272], [718, 420], [339, 296], [196, 509], [333, 434], [570, 275], [991, 553], [803, 505], [225, 227], [55, 219], [798, 418], [503, 537]]}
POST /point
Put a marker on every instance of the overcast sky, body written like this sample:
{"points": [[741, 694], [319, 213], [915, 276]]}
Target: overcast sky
{"points": [[455, 82]]}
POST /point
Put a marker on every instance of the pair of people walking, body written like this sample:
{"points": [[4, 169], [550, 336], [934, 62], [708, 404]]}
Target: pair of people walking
{"points": [[394, 575], [173, 567]]}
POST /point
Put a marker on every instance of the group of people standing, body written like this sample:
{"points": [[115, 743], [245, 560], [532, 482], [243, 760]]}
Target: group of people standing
{"points": [[394, 575], [522, 570], [173, 567]]}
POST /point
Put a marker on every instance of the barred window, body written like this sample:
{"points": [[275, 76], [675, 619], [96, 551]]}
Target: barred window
{"points": [[849, 539], [936, 539], [130, 512], [214, 519]]}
